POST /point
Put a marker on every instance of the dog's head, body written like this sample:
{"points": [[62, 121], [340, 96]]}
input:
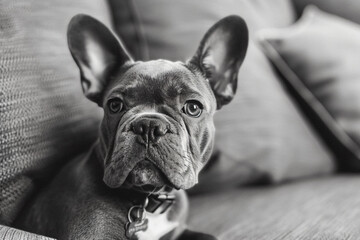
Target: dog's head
{"points": [[158, 115]]}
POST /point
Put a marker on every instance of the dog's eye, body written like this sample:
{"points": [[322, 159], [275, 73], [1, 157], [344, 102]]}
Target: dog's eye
{"points": [[193, 108], [115, 105]]}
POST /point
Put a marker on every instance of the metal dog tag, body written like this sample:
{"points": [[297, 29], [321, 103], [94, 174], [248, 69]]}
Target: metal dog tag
{"points": [[140, 223], [136, 226]]}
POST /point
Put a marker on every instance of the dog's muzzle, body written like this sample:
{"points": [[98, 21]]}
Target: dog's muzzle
{"points": [[150, 149]]}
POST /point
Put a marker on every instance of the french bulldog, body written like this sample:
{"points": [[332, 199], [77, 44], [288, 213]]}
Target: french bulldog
{"points": [[156, 135]]}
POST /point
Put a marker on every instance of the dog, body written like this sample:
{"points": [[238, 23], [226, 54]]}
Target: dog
{"points": [[156, 135]]}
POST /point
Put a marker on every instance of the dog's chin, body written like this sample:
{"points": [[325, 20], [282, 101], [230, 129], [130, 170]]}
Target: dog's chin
{"points": [[146, 177]]}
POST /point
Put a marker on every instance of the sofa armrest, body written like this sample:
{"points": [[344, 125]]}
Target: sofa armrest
{"points": [[348, 9], [8, 233]]}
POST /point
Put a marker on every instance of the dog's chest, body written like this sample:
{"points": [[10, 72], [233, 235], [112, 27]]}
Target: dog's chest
{"points": [[158, 226]]}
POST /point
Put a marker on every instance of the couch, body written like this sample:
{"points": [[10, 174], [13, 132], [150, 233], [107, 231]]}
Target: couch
{"points": [[275, 172]]}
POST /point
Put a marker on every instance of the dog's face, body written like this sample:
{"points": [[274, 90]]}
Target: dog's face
{"points": [[158, 115]]}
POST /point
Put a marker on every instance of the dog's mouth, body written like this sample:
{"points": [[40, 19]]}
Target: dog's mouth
{"points": [[146, 177], [170, 162]]}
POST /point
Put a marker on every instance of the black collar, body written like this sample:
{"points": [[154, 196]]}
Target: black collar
{"points": [[154, 202], [160, 202]]}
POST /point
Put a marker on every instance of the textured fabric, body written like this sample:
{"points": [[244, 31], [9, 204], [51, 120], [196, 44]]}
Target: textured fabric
{"points": [[45, 119], [319, 56], [323, 208], [15, 234], [261, 131]]}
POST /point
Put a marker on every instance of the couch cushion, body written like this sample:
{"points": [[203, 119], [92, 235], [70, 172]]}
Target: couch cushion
{"points": [[346, 8], [45, 120], [319, 57], [172, 29], [262, 129], [323, 208]]}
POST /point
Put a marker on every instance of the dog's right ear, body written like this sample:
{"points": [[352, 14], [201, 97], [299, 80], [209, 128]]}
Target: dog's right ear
{"points": [[97, 52]]}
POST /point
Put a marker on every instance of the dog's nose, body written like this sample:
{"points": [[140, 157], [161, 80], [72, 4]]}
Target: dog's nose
{"points": [[149, 129]]}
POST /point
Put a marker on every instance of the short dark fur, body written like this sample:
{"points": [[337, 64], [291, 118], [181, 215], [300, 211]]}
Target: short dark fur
{"points": [[151, 141]]}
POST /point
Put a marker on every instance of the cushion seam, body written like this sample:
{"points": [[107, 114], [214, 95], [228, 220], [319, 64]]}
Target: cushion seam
{"points": [[310, 98]]}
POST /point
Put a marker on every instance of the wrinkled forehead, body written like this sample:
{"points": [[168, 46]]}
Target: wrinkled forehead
{"points": [[159, 81], [158, 68]]}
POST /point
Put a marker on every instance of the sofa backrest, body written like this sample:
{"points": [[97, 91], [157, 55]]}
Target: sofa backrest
{"points": [[44, 118], [171, 29]]}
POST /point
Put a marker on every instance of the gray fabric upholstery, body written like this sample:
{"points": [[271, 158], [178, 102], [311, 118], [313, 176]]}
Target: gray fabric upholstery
{"points": [[15, 234], [45, 119], [348, 9], [317, 57], [323, 208]]}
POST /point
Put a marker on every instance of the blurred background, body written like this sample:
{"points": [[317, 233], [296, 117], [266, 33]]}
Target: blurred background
{"points": [[287, 147]]}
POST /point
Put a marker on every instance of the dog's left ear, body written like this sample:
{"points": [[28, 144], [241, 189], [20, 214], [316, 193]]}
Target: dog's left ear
{"points": [[220, 55], [97, 52]]}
